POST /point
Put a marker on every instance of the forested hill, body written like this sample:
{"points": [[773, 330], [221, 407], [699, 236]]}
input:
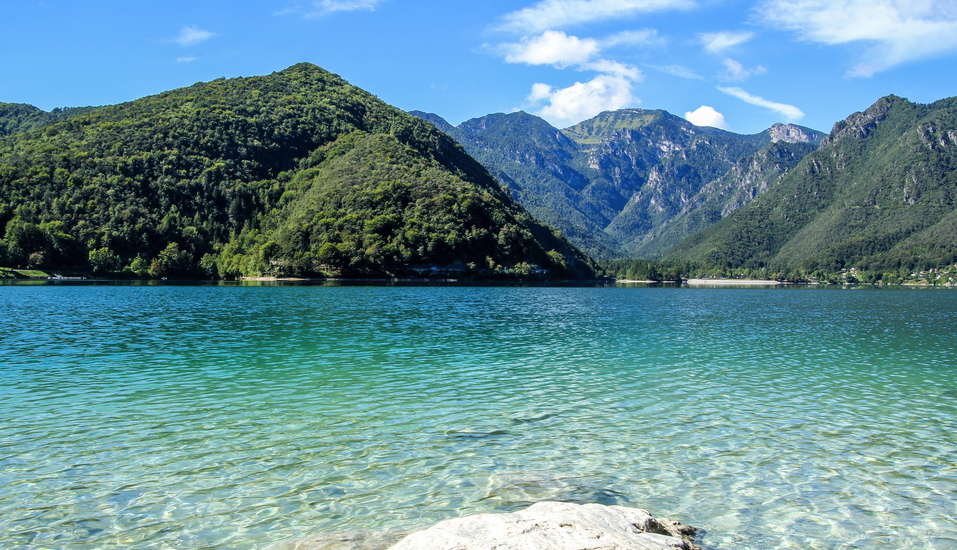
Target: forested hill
{"points": [[880, 194], [18, 117], [295, 173]]}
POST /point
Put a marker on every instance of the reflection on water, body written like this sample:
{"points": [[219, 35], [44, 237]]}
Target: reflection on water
{"points": [[241, 416]]}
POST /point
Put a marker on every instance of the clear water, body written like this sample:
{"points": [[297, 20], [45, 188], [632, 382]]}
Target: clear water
{"points": [[241, 416]]}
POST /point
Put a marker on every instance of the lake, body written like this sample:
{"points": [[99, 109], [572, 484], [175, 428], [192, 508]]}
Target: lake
{"points": [[243, 415]]}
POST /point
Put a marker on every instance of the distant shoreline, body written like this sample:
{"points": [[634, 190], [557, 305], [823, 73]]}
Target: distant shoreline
{"points": [[736, 282], [709, 282]]}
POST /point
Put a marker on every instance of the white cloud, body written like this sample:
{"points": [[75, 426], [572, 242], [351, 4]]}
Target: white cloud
{"points": [[789, 112], [553, 14], [900, 31], [190, 36], [580, 101], [707, 116], [718, 42], [678, 70], [737, 71], [561, 50], [539, 92], [185, 59], [610, 89], [552, 48]]}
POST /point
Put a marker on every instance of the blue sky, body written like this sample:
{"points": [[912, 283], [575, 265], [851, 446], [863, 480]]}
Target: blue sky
{"points": [[739, 65]]}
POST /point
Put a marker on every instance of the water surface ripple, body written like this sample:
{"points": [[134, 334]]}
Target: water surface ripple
{"points": [[241, 416]]}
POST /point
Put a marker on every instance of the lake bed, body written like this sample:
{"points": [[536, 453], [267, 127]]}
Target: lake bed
{"points": [[238, 416]]}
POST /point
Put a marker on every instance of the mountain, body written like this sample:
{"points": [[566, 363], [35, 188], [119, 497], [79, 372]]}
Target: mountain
{"points": [[294, 173], [879, 194], [613, 183], [748, 178]]}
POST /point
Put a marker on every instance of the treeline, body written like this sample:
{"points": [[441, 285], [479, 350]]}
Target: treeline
{"points": [[658, 271], [644, 270], [297, 173]]}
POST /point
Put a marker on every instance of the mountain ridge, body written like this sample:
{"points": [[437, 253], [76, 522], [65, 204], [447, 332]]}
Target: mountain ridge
{"points": [[879, 194], [610, 183]]}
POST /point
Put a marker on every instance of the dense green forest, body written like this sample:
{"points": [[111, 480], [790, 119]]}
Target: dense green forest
{"points": [[17, 117], [296, 174], [878, 197]]}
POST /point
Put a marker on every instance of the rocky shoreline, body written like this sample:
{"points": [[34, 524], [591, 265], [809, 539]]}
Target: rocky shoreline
{"points": [[542, 526]]}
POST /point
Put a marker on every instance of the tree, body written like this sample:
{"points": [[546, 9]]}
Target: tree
{"points": [[23, 238], [139, 267], [104, 260], [329, 254], [171, 261]]}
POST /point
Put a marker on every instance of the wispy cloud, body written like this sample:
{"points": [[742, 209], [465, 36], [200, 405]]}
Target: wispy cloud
{"points": [[678, 70], [556, 14], [899, 31], [737, 72], [718, 42], [190, 36], [707, 116], [641, 37], [616, 68], [347, 5], [323, 7], [789, 112], [186, 59]]}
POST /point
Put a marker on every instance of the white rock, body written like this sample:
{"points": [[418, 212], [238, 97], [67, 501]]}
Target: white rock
{"points": [[555, 526]]}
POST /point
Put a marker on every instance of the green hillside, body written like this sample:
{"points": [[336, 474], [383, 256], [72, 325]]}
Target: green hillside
{"points": [[17, 117], [295, 173], [879, 195], [606, 124]]}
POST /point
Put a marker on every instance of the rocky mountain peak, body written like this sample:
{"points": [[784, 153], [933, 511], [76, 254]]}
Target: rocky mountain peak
{"points": [[791, 133], [860, 125]]}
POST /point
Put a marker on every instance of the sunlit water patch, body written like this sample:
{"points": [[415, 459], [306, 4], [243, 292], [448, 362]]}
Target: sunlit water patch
{"points": [[241, 416]]}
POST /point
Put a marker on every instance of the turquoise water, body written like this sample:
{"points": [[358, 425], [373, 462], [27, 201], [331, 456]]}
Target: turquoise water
{"points": [[241, 416]]}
